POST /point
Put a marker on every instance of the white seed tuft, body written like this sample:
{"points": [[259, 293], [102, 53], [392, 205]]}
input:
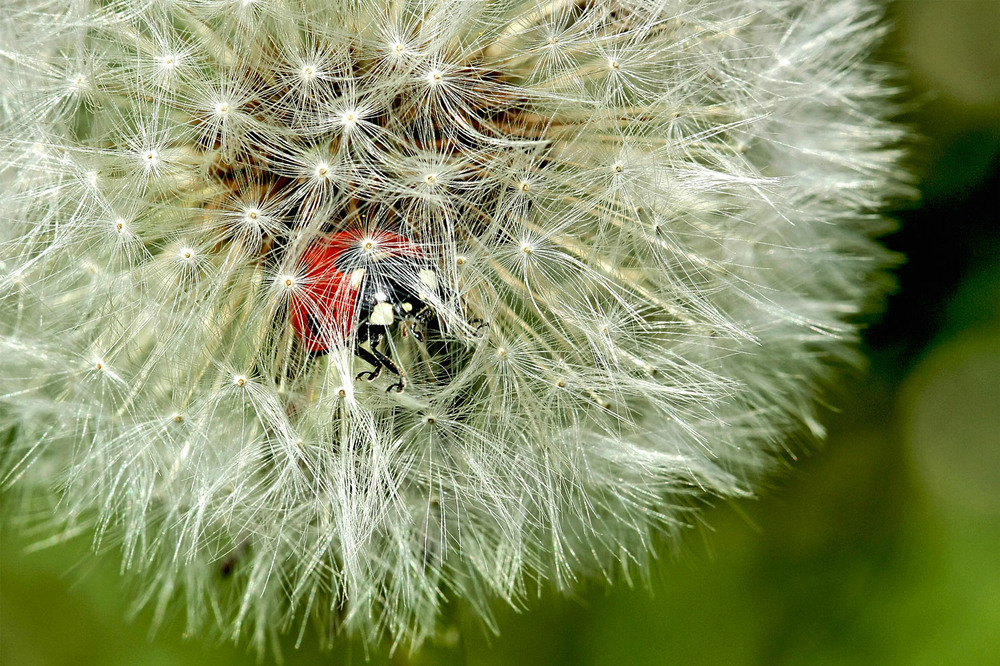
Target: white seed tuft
{"points": [[610, 246]]}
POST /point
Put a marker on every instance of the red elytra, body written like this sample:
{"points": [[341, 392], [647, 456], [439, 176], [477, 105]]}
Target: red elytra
{"points": [[324, 310]]}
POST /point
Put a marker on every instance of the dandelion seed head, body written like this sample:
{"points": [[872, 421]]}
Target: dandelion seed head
{"points": [[77, 82], [435, 77], [607, 249], [168, 63], [309, 72], [349, 119]]}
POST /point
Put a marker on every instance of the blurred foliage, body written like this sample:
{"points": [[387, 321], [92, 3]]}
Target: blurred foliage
{"points": [[883, 548]]}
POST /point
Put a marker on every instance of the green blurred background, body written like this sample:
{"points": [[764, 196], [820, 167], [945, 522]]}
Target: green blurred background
{"points": [[882, 548]]}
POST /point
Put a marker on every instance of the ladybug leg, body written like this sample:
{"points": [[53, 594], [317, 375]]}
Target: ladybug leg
{"points": [[408, 326], [364, 335], [368, 357], [376, 358], [386, 362], [419, 321], [398, 386], [413, 318], [383, 358], [479, 324]]}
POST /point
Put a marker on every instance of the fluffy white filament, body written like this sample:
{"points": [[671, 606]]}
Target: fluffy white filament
{"points": [[663, 210]]}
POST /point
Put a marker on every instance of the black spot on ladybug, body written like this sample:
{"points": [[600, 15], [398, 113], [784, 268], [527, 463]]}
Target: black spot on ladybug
{"points": [[314, 326]]}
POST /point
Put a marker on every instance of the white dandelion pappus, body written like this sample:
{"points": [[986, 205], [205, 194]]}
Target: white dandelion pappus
{"points": [[641, 230]]}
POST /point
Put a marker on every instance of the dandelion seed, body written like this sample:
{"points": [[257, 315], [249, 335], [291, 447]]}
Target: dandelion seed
{"points": [[349, 119]]}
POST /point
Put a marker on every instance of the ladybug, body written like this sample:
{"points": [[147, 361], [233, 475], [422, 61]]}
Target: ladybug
{"points": [[356, 285]]}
